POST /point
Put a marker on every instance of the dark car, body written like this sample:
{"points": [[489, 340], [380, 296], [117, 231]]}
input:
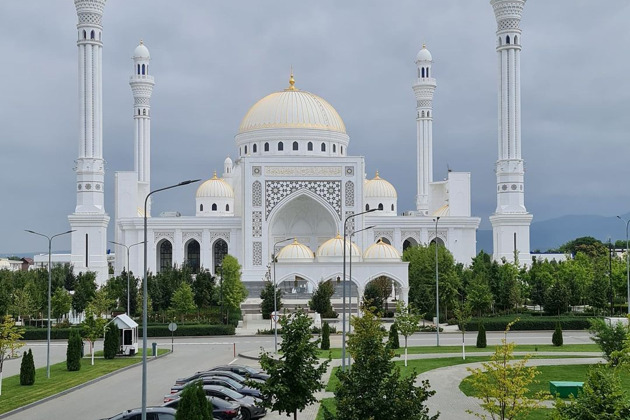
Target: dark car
{"points": [[153, 413], [221, 381], [227, 374], [250, 408], [221, 409], [245, 371]]}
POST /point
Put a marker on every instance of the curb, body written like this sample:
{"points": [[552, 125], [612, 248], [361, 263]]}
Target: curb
{"points": [[83, 385]]}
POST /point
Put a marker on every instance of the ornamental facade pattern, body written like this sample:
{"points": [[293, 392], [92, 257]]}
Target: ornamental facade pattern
{"points": [[276, 191]]}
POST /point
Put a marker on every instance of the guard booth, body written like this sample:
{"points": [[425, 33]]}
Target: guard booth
{"points": [[128, 334]]}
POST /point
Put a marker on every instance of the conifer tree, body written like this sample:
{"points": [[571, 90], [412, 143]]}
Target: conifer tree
{"points": [[112, 341], [481, 337], [325, 345], [557, 339], [394, 341], [194, 404], [27, 369], [73, 353]]}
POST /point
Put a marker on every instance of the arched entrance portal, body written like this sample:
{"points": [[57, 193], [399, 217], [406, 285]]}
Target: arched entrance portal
{"points": [[164, 255], [378, 292]]}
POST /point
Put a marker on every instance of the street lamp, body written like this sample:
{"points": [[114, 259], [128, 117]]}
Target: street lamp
{"points": [[437, 285], [128, 287], [627, 262], [50, 238], [343, 338], [145, 297], [275, 307]]}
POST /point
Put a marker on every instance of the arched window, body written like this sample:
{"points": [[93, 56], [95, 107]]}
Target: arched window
{"points": [[245, 150], [439, 241], [367, 207], [227, 207], [254, 148], [193, 256], [422, 114], [323, 147], [392, 207], [334, 148], [380, 206], [144, 112], [409, 242], [219, 250], [500, 41], [309, 146], [507, 39], [515, 40], [138, 112], [385, 241], [266, 147], [341, 147], [143, 69], [280, 146], [92, 35], [422, 71], [84, 35], [138, 68], [295, 145], [214, 206], [200, 207], [428, 113], [428, 72], [166, 255]]}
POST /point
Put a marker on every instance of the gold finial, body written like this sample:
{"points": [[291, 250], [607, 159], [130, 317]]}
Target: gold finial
{"points": [[377, 177], [292, 81], [141, 42], [295, 241], [214, 176], [424, 46]]}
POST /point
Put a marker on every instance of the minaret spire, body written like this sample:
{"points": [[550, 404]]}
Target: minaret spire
{"points": [[423, 88], [511, 221]]}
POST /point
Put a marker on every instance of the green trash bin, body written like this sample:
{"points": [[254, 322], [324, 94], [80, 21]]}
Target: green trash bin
{"points": [[154, 346], [563, 389]]}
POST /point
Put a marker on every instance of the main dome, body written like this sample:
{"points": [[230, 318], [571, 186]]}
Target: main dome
{"points": [[292, 108]]}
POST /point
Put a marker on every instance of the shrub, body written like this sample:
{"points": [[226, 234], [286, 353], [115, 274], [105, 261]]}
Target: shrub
{"points": [[325, 345], [481, 337], [531, 323], [556, 339], [73, 353], [610, 338], [111, 346], [394, 342], [27, 369], [194, 404]]}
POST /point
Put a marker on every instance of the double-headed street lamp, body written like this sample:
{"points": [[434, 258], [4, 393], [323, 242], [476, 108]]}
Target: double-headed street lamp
{"points": [[343, 338], [128, 287], [627, 262], [50, 238], [437, 286], [145, 297], [275, 300]]}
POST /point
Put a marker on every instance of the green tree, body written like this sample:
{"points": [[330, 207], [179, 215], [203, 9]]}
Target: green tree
{"points": [[27, 369], [194, 404], [481, 337], [297, 375], [93, 328], [479, 295], [183, 301], [556, 338], [374, 378], [502, 384], [373, 298], [463, 317], [557, 298], [84, 291], [23, 303], [234, 292], [101, 303], [325, 344], [61, 303], [204, 289], [73, 352], [393, 340], [602, 398], [10, 336], [609, 338], [406, 322], [266, 294], [111, 345], [320, 302]]}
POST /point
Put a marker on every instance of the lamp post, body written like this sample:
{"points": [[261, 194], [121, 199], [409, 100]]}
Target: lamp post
{"points": [[50, 238], [275, 301], [145, 297], [128, 285], [437, 285], [343, 337], [627, 262], [219, 268]]}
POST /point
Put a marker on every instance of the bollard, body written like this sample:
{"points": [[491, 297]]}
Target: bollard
{"points": [[154, 345]]}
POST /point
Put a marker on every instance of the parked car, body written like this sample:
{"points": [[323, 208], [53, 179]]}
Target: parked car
{"points": [[250, 408], [228, 374], [221, 409], [243, 370], [153, 413], [222, 381]]}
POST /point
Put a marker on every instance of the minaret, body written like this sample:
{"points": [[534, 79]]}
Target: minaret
{"points": [[142, 87], [424, 87], [511, 221]]}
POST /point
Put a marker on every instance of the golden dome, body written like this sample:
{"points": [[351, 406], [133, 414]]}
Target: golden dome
{"points": [[292, 108], [215, 187], [296, 252], [334, 248], [379, 188], [381, 251]]}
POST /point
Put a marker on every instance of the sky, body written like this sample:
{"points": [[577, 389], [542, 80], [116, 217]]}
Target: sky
{"points": [[212, 60]]}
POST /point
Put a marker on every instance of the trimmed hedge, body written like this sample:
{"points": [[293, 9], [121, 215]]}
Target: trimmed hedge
{"points": [[152, 331], [529, 323]]}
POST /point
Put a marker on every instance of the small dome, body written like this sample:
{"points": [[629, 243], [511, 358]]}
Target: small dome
{"points": [[379, 188], [228, 162], [424, 54], [215, 187], [381, 251], [296, 252], [334, 248], [141, 52]]}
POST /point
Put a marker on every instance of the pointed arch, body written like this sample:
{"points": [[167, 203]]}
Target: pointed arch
{"points": [[192, 255], [164, 255]]}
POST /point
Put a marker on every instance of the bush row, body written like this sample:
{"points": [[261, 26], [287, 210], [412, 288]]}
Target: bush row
{"points": [[152, 331], [530, 323]]}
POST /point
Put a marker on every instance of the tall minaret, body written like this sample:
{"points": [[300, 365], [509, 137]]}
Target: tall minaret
{"points": [[424, 87], [511, 221], [142, 87], [89, 220]]}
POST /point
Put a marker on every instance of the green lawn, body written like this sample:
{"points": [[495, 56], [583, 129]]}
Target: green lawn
{"points": [[335, 353], [14, 395]]}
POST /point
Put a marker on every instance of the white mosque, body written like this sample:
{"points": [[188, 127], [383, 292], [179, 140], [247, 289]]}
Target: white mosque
{"points": [[293, 184]]}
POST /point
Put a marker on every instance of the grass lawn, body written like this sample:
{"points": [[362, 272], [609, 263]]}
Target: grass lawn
{"points": [[14, 395], [329, 403], [336, 352]]}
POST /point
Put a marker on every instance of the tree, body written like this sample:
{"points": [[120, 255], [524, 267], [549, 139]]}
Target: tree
{"points": [[556, 338], [325, 344], [479, 295], [481, 337], [61, 303], [101, 303], [23, 303], [111, 345], [73, 352], [320, 302], [10, 336], [557, 298], [463, 317], [610, 338], [266, 294], [374, 379], [406, 322], [27, 369], [376, 294], [502, 384], [182, 301], [93, 328], [297, 375], [393, 340], [234, 292], [194, 404], [602, 398], [84, 291], [203, 289]]}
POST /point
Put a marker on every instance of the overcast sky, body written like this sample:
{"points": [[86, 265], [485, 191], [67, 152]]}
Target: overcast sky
{"points": [[212, 60]]}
